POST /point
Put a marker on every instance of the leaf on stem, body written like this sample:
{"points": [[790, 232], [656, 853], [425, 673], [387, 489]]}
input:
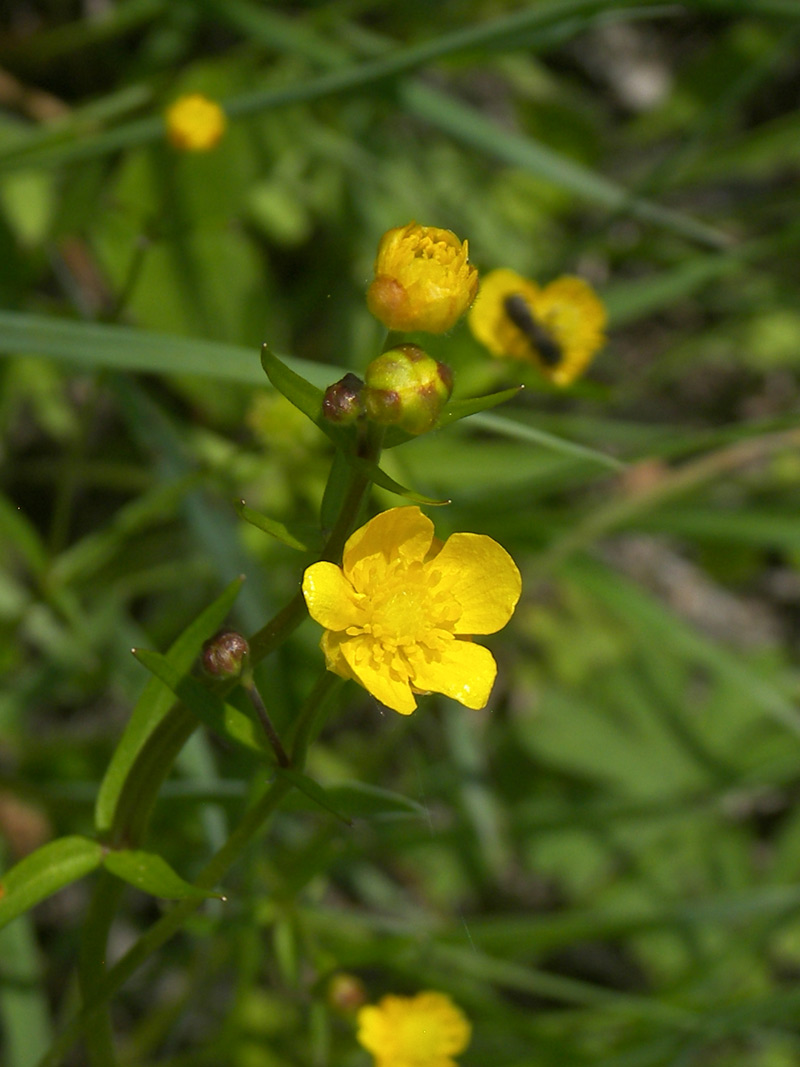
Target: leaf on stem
{"points": [[382, 479], [455, 410], [44, 872], [306, 539], [154, 704], [313, 790], [221, 717], [152, 874]]}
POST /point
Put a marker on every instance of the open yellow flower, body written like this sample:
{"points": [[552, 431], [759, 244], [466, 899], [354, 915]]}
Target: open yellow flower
{"points": [[422, 1031], [195, 123], [423, 279], [559, 327], [399, 611]]}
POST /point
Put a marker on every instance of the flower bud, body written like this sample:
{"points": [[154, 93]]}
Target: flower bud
{"points": [[346, 993], [343, 402], [406, 387], [423, 279], [224, 654], [195, 123]]}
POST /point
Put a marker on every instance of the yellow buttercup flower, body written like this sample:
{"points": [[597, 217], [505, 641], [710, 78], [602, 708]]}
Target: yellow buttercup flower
{"points": [[423, 279], [195, 123], [422, 1031], [399, 611], [559, 327]]}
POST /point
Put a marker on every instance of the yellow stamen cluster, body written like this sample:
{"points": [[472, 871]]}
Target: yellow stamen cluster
{"points": [[423, 279]]}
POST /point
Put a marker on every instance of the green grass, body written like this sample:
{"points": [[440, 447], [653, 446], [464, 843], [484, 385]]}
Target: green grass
{"points": [[601, 868]]}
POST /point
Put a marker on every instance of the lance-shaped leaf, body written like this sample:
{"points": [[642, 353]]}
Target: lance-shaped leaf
{"points": [[221, 717], [308, 399], [305, 538], [313, 790], [453, 411], [152, 874], [155, 702], [381, 478], [44, 872]]}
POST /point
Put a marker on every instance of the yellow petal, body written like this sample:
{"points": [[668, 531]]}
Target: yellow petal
{"points": [[488, 319], [377, 680], [331, 645], [462, 670], [482, 577], [576, 317], [330, 598], [400, 533]]}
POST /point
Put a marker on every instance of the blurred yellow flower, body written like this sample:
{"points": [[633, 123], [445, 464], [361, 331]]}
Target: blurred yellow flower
{"points": [[422, 1031], [195, 123], [398, 612], [558, 327], [423, 279]]}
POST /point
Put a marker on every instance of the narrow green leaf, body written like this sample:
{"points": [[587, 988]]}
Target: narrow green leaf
{"points": [[297, 390], [21, 533], [307, 398], [152, 874], [362, 801], [210, 709], [379, 477], [44, 872], [310, 536], [24, 1004], [454, 410], [469, 126], [462, 409], [313, 790], [124, 348], [154, 704], [519, 431]]}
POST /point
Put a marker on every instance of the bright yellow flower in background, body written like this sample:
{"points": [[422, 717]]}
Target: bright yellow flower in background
{"points": [[195, 123], [423, 279], [422, 1031], [559, 328], [399, 611]]}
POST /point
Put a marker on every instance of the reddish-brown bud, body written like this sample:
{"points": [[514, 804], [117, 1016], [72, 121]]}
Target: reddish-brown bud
{"points": [[346, 993], [343, 402], [224, 654]]}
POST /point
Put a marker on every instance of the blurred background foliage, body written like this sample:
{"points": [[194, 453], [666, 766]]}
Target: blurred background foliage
{"points": [[602, 867]]}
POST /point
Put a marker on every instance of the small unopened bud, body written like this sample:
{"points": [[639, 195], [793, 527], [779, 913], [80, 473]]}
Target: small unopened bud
{"points": [[406, 387], [224, 654], [343, 401], [346, 993]]}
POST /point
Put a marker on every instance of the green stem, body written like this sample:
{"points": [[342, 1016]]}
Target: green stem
{"points": [[99, 1037], [250, 688], [252, 824], [99, 985]]}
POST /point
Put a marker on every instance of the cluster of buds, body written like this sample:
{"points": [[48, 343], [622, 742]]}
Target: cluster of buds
{"points": [[423, 282], [404, 387]]}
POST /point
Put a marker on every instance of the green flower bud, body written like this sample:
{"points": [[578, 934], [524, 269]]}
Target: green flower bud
{"points": [[406, 387], [343, 401], [224, 654]]}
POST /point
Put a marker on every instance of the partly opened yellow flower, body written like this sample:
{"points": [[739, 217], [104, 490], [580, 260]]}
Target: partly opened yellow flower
{"points": [[422, 1031], [195, 123], [423, 279], [559, 327], [399, 611]]}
